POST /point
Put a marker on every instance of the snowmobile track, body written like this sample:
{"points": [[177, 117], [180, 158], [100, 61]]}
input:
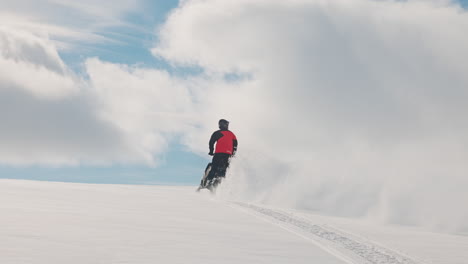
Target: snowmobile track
{"points": [[345, 244]]}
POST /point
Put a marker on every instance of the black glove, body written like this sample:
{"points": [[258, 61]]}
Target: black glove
{"points": [[211, 153]]}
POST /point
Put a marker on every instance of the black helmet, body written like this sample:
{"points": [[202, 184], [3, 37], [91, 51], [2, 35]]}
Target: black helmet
{"points": [[223, 124]]}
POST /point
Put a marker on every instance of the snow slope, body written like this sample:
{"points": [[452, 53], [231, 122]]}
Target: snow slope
{"points": [[44, 222]]}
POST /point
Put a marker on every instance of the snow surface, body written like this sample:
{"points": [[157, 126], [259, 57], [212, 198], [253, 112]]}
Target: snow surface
{"points": [[46, 222]]}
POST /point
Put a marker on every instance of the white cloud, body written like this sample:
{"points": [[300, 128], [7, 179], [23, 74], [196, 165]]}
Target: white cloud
{"points": [[149, 106], [50, 116], [70, 24], [357, 103], [46, 117], [32, 63]]}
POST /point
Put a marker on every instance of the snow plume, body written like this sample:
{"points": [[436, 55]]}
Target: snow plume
{"points": [[354, 108]]}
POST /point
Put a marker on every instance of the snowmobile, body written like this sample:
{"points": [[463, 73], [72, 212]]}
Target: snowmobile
{"points": [[209, 184]]}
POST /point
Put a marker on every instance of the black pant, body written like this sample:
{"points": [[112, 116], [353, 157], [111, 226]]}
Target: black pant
{"points": [[219, 165]]}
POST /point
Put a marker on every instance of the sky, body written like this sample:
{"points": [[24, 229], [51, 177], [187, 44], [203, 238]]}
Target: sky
{"points": [[353, 108]]}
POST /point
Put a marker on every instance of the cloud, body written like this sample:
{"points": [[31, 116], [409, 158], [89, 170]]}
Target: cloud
{"points": [[148, 105], [353, 108], [32, 63], [85, 22], [50, 116], [46, 116]]}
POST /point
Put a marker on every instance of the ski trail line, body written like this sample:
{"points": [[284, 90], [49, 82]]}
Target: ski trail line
{"points": [[332, 251], [335, 242]]}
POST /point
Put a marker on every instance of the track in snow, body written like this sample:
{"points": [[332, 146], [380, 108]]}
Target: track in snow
{"points": [[367, 251]]}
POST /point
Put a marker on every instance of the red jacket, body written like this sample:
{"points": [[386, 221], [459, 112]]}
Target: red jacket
{"points": [[226, 142]]}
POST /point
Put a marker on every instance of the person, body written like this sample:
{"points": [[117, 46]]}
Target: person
{"points": [[226, 147]]}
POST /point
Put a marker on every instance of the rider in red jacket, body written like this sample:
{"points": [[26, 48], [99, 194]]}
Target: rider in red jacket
{"points": [[226, 147]]}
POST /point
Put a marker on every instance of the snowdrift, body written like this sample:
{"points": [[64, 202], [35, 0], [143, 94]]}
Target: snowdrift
{"points": [[44, 222]]}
